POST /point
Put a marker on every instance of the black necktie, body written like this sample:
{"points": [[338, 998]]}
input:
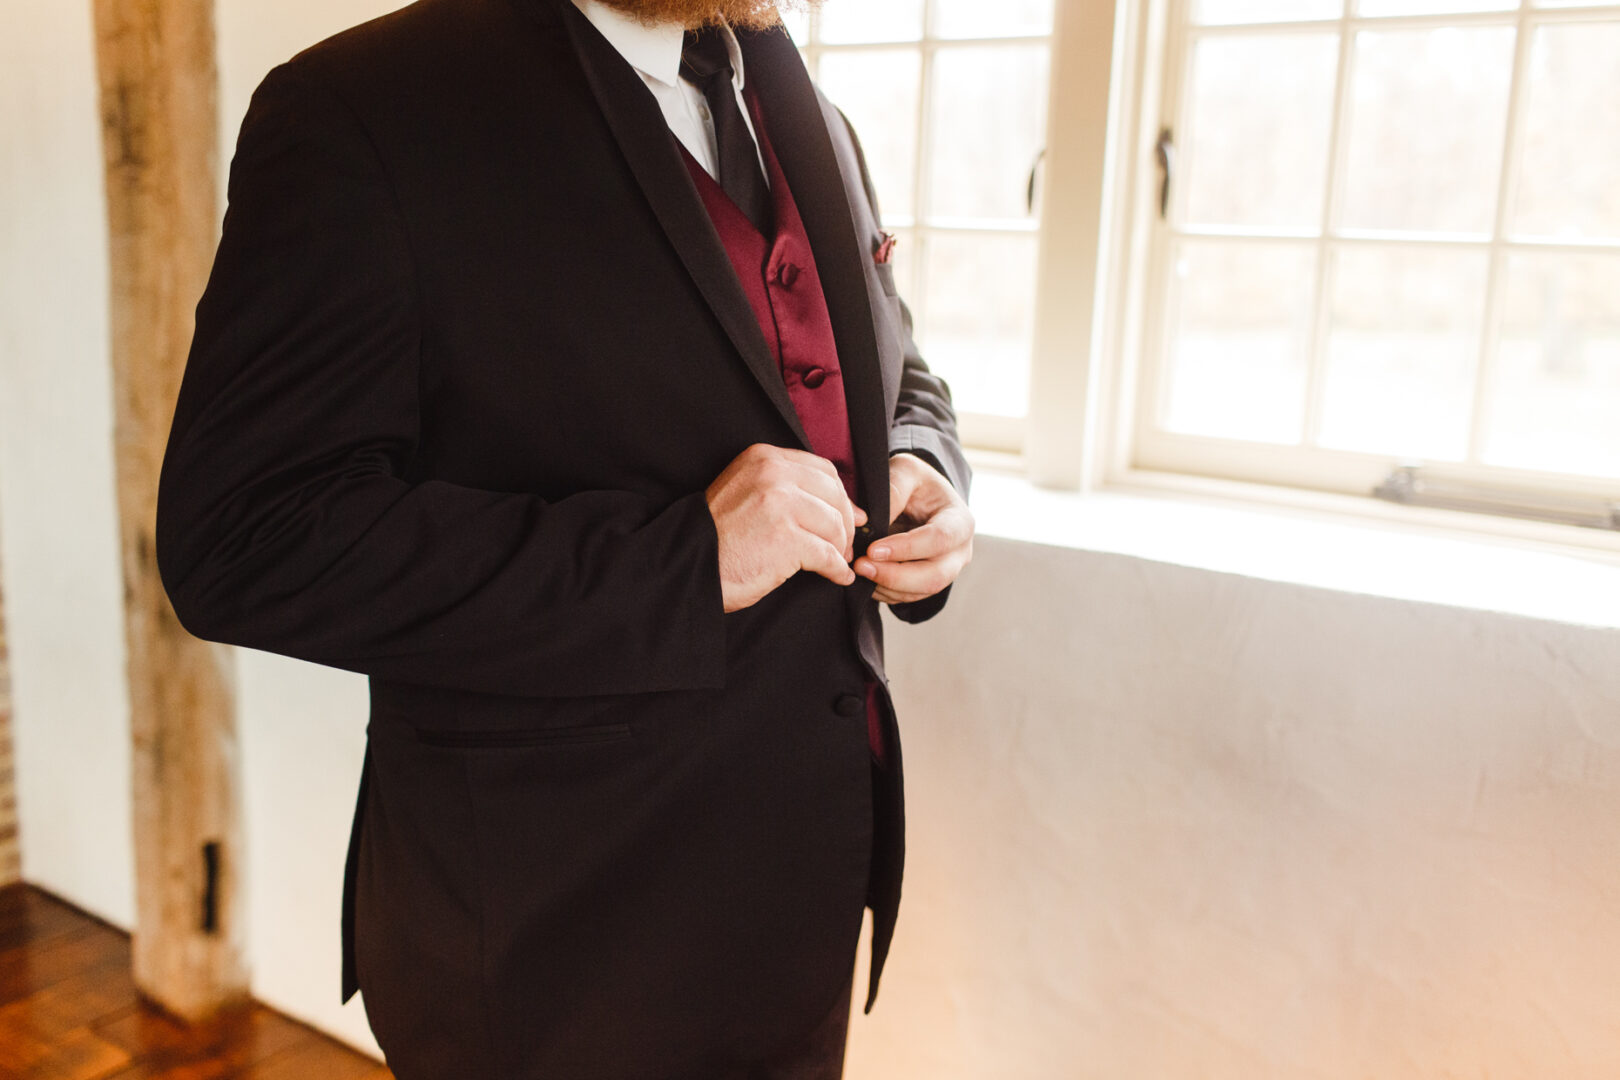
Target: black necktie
{"points": [[706, 64]]}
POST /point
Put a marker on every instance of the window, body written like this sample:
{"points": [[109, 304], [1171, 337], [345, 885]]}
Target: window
{"points": [[1392, 236], [950, 100]]}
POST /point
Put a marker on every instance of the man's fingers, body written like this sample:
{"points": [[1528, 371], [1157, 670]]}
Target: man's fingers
{"points": [[945, 531], [901, 486], [806, 458], [807, 471], [823, 558], [920, 578], [847, 512], [826, 522], [887, 596], [924, 542], [778, 511], [826, 486]]}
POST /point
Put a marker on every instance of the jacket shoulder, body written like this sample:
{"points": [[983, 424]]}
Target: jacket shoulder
{"points": [[426, 43]]}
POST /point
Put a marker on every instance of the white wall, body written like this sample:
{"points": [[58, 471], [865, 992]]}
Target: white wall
{"points": [[256, 35], [303, 731], [1171, 823], [58, 520], [302, 727]]}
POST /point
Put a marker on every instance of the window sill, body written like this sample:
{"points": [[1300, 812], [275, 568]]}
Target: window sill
{"points": [[1384, 550]]}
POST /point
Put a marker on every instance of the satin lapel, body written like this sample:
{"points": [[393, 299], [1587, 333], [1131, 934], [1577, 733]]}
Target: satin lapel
{"points": [[798, 132], [643, 135]]}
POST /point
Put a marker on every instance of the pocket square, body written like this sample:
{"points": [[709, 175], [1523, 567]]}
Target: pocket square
{"points": [[883, 248]]}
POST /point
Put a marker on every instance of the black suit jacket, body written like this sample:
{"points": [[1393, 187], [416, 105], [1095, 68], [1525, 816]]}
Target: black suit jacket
{"points": [[470, 353]]}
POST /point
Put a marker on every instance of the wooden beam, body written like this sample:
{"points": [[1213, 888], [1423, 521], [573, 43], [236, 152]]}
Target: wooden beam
{"points": [[160, 136], [9, 861]]}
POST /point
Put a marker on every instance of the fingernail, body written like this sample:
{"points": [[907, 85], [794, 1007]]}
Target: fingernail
{"points": [[879, 552]]}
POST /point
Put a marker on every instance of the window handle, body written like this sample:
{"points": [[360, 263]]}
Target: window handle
{"points": [[1418, 485], [1165, 152], [1029, 191]]}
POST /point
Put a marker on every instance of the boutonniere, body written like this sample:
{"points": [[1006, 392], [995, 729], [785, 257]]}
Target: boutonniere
{"points": [[883, 248]]}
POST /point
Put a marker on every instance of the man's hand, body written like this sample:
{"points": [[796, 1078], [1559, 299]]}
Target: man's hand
{"points": [[779, 511], [937, 540]]}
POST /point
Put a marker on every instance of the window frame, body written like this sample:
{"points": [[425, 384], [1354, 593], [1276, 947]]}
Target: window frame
{"points": [[983, 431], [1146, 453], [1099, 226], [1100, 244]]}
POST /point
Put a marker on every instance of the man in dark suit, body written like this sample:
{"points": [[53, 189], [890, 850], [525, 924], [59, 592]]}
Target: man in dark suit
{"points": [[570, 399]]}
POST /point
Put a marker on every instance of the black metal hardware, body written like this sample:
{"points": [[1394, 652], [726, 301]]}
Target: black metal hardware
{"points": [[210, 897], [1029, 190], [1164, 151]]}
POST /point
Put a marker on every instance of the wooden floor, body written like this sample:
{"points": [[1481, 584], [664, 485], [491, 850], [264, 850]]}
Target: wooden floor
{"points": [[68, 1011]]}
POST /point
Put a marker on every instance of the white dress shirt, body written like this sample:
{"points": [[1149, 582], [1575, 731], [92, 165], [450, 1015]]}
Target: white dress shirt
{"points": [[655, 53]]}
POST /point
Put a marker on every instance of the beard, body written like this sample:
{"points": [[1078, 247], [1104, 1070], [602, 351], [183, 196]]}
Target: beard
{"points": [[693, 14]]}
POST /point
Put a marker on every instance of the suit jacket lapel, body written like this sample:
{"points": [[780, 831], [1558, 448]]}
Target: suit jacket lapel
{"points": [[643, 135], [798, 132]]}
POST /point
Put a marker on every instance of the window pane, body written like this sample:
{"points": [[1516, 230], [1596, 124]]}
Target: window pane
{"points": [[797, 22], [878, 89], [1000, 18], [988, 123], [1569, 168], [853, 21], [1431, 7], [1427, 120], [1240, 339], [980, 318], [1228, 12], [1254, 11], [1556, 399], [1403, 342], [1259, 111]]}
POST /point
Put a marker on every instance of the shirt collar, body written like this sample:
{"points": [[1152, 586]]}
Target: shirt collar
{"points": [[654, 50]]}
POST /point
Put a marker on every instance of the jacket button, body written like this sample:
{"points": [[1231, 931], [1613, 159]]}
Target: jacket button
{"points": [[814, 377], [849, 705]]}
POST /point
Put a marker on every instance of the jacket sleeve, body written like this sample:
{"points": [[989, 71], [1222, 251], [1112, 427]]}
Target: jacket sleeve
{"points": [[924, 421], [286, 519]]}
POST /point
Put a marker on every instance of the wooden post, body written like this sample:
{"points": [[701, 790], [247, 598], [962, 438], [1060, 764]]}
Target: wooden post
{"points": [[9, 855], [160, 136]]}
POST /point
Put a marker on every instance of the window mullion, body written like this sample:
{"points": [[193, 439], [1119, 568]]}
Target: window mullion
{"points": [[1321, 311], [1495, 283], [1163, 247], [1152, 446], [812, 44], [920, 192]]}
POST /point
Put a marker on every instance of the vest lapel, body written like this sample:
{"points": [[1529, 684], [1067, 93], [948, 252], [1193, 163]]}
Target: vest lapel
{"points": [[798, 132], [643, 136]]}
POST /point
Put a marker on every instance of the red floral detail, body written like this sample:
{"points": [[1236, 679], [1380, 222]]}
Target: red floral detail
{"points": [[885, 249]]}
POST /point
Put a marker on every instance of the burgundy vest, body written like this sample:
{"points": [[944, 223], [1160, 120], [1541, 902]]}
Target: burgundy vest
{"points": [[778, 275]]}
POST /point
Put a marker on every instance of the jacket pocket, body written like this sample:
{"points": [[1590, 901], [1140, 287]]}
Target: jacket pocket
{"points": [[503, 740]]}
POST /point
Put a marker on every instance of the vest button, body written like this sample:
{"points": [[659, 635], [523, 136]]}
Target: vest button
{"points": [[814, 377], [849, 705], [787, 274]]}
